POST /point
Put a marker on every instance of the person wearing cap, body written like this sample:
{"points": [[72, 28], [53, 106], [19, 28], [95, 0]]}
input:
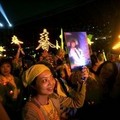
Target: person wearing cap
{"points": [[44, 103]]}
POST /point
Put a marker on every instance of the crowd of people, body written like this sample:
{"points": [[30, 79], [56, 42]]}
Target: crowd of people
{"points": [[47, 89]]}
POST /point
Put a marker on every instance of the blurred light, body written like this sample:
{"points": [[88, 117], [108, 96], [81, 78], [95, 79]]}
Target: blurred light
{"points": [[2, 49], [10, 25], [104, 38], [25, 98], [118, 36], [96, 38], [4, 55], [11, 92], [1, 25], [116, 46]]}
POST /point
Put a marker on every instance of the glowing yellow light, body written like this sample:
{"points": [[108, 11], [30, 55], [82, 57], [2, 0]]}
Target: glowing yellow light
{"points": [[89, 41], [44, 41], [16, 41], [89, 38], [118, 36], [119, 57], [116, 46], [104, 56], [57, 45], [2, 49], [61, 37]]}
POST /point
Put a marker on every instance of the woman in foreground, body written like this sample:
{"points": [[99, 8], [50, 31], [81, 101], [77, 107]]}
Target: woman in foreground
{"points": [[44, 104]]}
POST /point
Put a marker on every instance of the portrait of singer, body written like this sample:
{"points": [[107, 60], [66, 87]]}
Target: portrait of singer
{"points": [[76, 55]]}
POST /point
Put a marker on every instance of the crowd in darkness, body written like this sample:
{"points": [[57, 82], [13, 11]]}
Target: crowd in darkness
{"points": [[98, 94]]}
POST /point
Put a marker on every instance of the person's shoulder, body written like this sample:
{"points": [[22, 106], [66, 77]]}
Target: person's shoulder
{"points": [[30, 111]]}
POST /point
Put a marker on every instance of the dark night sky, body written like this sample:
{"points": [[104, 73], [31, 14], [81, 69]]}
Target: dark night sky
{"points": [[97, 17]]}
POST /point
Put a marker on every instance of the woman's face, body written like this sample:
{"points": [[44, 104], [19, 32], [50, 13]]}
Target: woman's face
{"points": [[107, 71], [45, 83], [73, 44], [5, 69]]}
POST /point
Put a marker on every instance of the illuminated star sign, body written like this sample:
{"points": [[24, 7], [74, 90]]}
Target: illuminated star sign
{"points": [[44, 44], [16, 41], [44, 41], [2, 49], [89, 38]]}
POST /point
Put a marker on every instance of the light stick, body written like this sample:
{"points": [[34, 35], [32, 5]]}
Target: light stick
{"points": [[61, 37], [57, 45], [104, 56]]}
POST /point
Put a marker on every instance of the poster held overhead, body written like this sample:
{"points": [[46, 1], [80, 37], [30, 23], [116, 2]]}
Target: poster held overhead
{"points": [[78, 49]]}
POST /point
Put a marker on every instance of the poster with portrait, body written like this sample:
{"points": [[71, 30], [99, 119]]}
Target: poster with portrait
{"points": [[78, 49]]}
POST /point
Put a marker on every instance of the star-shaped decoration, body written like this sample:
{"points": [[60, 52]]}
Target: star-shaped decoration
{"points": [[16, 41]]}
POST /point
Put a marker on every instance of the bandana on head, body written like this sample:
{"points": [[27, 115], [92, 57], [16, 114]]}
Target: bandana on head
{"points": [[31, 73]]}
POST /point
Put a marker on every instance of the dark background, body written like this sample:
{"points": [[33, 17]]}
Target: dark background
{"points": [[101, 18]]}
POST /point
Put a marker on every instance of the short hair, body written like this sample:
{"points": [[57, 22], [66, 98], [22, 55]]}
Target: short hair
{"points": [[6, 61]]}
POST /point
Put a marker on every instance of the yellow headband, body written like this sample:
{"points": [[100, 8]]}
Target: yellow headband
{"points": [[31, 73]]}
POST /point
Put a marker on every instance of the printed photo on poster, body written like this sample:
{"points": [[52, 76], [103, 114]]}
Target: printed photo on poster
{"points": [[78, 49]]}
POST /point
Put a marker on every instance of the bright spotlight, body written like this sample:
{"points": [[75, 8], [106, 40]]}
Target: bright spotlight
{"points": [[1, 25], [10, 25], [3, 13]]}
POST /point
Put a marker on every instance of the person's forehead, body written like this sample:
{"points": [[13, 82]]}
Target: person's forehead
{"points": [[5, 63], [45, 73]]}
